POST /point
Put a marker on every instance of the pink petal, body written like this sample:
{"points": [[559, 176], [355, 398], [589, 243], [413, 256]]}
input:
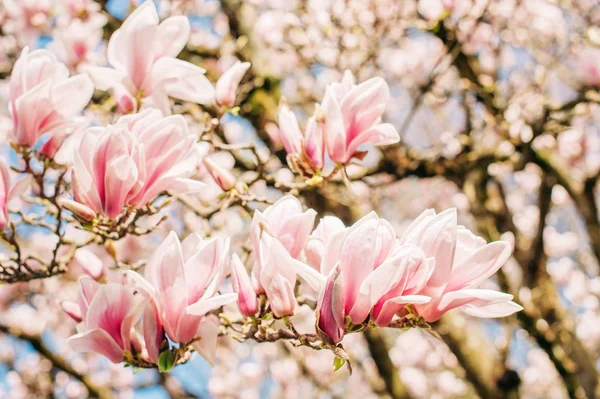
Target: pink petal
{"points": [[98, 341], [173, 34], [289, 130], [479, 266], [208, 333], [183, 80], [204, 306]]}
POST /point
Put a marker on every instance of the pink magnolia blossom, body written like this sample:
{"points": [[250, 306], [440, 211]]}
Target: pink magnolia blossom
{"points": [[133, 161], [76, 43], [227, 84], [9, 192], [278, 236], [462, 262], [28, 17], [276, 276], [285, 221], [352, 117], [364, 271], [306, 152], [142, 55], [242, 285], [183, 280], [43, 99], [108, 314]]}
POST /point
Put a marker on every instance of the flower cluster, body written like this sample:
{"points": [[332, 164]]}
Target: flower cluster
{"points": [[173, 299], [118, 169], [365, 274], [349, 117], [133, 161]]}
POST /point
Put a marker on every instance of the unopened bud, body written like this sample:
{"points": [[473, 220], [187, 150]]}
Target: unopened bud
{"points": [[222, 176], [79, 210], [72, 309]]}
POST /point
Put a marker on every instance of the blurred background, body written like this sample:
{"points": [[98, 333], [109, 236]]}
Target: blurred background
{"points": [[498, 107]]}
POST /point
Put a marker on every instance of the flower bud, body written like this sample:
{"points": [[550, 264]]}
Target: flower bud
{"points": [[228, 83], [222, 176], [247, 301], [79, 210], [72, 309], [90, 263], [126, 103], [330, 308]]}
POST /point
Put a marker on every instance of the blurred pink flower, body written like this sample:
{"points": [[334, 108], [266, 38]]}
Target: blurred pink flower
{"points": [[76, 43], [133, 161], [43, 98], [153, 74], [183, 280], [9, 192], [221, 176], [228, 83], [352, 117], [589, 67]]}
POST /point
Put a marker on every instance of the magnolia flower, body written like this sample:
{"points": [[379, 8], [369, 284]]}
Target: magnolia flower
{"points": [[76, 43], [9, 193], [462, 262], [306, 152], [276, 276], [228, 83], [43, 99], [108, 313], [142, 55], [28, 17], [286, 222], [278, 236], [183, 279], [133, 161], [364, 271], [242, 285], [352, 117]]}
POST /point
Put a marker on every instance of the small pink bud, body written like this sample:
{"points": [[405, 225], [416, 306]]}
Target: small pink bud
{"points": [[222, 176], [51, 147], [72, 309], [90, 263], [330, 308], [126, 103], [228, 83], [247, 302], [83, 212]]}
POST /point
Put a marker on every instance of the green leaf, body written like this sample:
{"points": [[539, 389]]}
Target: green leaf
{"points": [[338, 363], [166, 361]]}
